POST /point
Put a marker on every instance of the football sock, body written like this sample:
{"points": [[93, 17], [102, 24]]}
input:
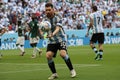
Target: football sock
{"points": [[68, 62], [37, 49], [95, 50], [34, 51], [101, 53], [51, 66], [21, 49]]}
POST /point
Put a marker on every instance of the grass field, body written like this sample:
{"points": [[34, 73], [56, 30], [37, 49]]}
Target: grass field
{"points": [[15, 67]]}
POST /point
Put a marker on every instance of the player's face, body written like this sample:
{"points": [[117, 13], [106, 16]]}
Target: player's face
{"points": [[33, 15], [49, 12]]}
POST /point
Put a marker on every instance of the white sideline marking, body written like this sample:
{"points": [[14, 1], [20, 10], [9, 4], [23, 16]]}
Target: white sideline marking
{"points": [[46, 64], [23, 71], [58, 67]]}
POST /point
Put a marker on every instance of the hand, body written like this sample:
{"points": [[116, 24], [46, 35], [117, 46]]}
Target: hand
{"points": [[50, 35]]}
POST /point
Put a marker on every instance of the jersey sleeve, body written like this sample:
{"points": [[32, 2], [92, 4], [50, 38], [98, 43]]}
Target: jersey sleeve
{"points": [[59, 20]]}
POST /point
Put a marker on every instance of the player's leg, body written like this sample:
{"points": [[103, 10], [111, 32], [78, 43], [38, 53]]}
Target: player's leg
{"points": [[20, 45], [33, 45], [95, 50], [68, 62], [92, 45], [38, 50], [51, 51], [65, 56], [101, 51], [35, 48], [92, 41], [51, 65], [22, 50], [100, 45]]}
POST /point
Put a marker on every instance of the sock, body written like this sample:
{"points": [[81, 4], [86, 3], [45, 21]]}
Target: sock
{"points": [[34, 51], [101, 53], [22, 48], [68, 62], [19, 46], [52, 66], [37, 49], [95, 50]]}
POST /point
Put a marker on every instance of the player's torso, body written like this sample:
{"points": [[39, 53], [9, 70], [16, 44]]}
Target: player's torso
{"points": [[97, 22], [34, 29], [21, 31], [60, 36]]}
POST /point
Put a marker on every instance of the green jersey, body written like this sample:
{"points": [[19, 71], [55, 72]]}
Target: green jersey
{"points": [[21, 30], [34, 28]]}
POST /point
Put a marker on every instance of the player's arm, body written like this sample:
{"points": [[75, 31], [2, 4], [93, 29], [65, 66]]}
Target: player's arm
{"points": [[103, 21], [55, 32], [58, 26]]}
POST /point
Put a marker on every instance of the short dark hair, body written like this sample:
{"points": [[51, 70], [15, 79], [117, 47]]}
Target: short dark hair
{"points": [[94, 8], [49, 5]]}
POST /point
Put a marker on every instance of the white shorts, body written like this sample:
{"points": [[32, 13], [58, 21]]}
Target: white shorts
{"points": [[34, 40], [20, 40]]}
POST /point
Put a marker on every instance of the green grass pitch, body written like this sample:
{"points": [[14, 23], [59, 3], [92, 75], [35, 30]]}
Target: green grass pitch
{"points": [[15, 67]]}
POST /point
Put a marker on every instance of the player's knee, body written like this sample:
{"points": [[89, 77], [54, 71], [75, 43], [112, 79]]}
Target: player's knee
{"points": [[49, 55], [91, 44], [63, 53]]}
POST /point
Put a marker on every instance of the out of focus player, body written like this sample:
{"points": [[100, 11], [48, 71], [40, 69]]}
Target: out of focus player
{"points": [[96, 24], [34, 35], [21, 37]]}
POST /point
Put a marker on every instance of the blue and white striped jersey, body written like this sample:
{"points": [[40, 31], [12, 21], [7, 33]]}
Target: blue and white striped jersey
{"points": [[97, 22], [60, 36]]}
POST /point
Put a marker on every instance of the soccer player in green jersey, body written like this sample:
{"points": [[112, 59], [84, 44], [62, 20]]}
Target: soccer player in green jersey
{"points": [[21, 39], [34, 35]]}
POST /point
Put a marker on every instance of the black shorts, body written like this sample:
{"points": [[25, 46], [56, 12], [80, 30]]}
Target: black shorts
{"points": [[55, 47], [98, 37]]}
